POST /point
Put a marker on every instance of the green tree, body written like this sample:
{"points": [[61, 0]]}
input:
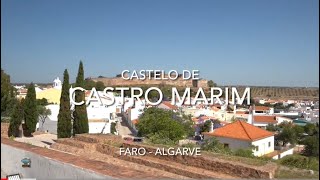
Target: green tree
{"points": [[64, 117], [89, 84], [42, 102], [80, 117], [15, 121], [287, 135], [271, 127], [205, 127], [113, 127], [30, 111], [161, 122], [7, 95], [298, 130], [311, 146], [43, 114], [211, 84], [310, 129], [100, 86]]}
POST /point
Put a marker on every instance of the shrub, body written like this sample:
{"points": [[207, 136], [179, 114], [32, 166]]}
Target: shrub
{"points": [[189, 145], [311, 146], [244, 153], [113, 127], [214, 145], [11, 138], [159, 138], [301, 162]]}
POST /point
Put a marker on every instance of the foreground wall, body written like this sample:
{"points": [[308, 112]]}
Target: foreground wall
{"points": [[41, 167], [4, 129]]}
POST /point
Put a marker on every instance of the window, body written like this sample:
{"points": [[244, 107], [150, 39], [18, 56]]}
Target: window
{"points": [[226, 145], [257, 148], [269, 144]]}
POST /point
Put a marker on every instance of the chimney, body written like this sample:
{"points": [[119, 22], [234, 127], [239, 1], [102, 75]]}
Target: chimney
{"points": [[250, 116], [211, 126], [272, 110]]}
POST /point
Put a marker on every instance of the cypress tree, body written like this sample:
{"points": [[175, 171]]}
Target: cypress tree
{"points": [[16, 119], [80, 117], [30, 111], [64, 117]]}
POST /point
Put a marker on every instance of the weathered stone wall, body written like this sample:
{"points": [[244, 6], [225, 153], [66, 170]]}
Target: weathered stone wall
{"points": [[213, 164], [4, 129], [190, 166]]}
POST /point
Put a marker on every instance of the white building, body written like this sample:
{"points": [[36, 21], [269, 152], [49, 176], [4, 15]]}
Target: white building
{"points": [[100, 116], [263, 121], [260, 110], [241, 135], [57, 83]]}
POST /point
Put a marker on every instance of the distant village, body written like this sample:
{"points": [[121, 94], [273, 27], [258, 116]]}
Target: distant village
{"points": [[234, 126]]}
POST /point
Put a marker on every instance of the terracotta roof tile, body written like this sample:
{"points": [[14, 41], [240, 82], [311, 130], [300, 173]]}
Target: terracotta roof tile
{"points": [[241, 130], [242, 112], [135, 121], [262, 108], [265, 119], [168, 104]]}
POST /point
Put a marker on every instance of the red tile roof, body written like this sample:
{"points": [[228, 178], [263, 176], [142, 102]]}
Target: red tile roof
{"points": [[240, 130], [87, 93], [169, 105], [242, 112], [203, 118], [262, 108], [135, 121], [265, 119]]}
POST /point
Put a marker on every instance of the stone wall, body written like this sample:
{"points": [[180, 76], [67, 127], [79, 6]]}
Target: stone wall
{"points": [[4, 129], [203, 166], [213, 164], [118, 81]]}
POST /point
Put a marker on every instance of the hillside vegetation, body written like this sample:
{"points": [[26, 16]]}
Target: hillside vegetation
{"points": [[283, 92]]}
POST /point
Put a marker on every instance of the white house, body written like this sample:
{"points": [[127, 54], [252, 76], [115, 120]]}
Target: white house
{"points": [[100, 116], [241, 135], [263, 121], [136, 110], [260, 110]]}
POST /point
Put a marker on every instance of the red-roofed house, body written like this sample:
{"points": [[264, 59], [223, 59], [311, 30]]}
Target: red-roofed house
{"points": [[240, 134], [263, 121], [263, 110], [167, 105]]}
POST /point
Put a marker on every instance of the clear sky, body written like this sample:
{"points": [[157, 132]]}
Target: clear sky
{"points": [[233, 42]]}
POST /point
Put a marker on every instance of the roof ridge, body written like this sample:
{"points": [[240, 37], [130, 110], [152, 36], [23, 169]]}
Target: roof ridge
{"points": [[245, 131]]}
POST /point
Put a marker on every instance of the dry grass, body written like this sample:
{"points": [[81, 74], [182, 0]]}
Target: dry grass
{"points": [[294, 173], [283, 92]]}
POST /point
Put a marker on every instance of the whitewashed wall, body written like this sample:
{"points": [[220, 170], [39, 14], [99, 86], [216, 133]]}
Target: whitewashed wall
{"points": [[233, 143], [54, 108], [97, 127], [264, 146]]}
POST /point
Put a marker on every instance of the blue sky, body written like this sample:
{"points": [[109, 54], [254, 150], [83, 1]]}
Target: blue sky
{"points": [[233, 42]]}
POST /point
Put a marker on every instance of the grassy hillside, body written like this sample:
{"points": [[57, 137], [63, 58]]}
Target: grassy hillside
{"points": [[283, 92]]}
